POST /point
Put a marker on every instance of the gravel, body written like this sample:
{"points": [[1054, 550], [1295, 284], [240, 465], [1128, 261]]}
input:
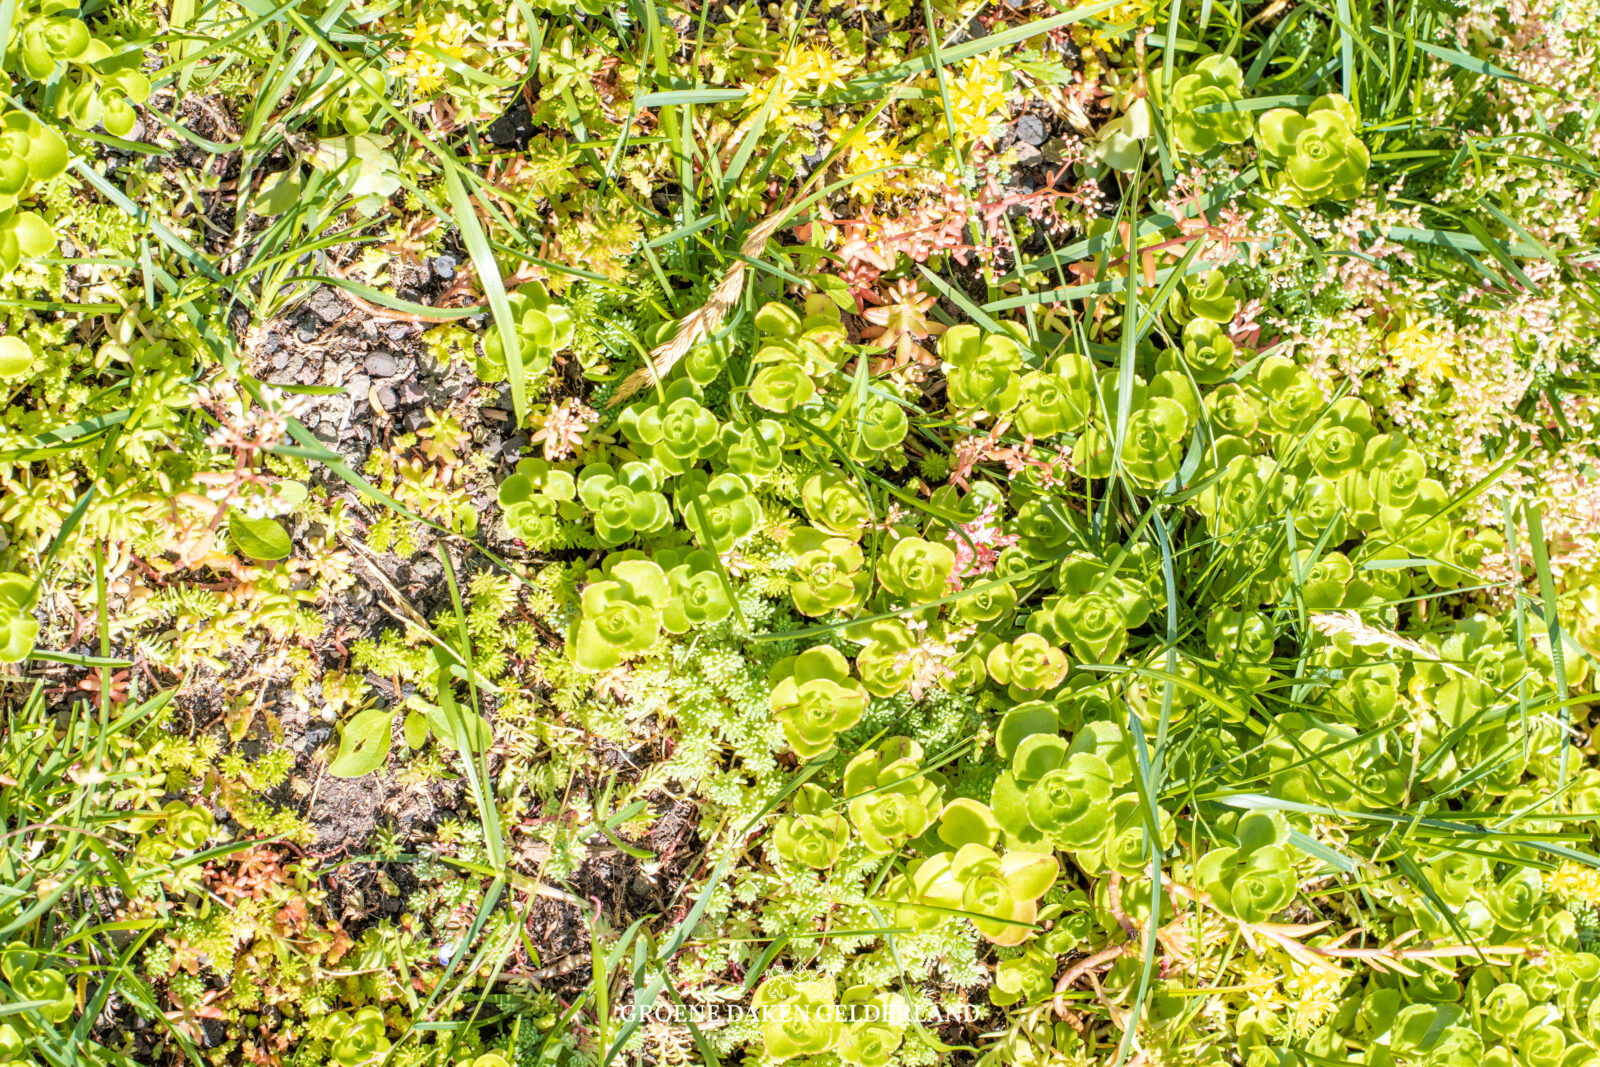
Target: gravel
{"points": [[381, 364]]}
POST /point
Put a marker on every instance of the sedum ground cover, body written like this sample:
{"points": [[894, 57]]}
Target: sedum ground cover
{"points": [[857, 533]]}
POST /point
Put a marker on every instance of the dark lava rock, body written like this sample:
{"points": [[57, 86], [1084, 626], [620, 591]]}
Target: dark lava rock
{"points": [[325, 305], [315, 735], [381, 364], [1030, 130], [514, 127]]}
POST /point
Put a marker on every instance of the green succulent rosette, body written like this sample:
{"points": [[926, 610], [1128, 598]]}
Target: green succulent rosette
{"points": [[1315, 156], [878, 424], [698, 592], [1208, 352], [884, 660], [30, 153], [829, 572], [1003, 888], [1256, 879], [720, 510], [624, 500], [1056, 401], [835, 504], [815, 698], [877, 1028], [1215, 81], [543, 326], [891, 798], [18, 628], [620, 616], [981, 370], [535, 497], [798, 1015], [1028, 663], [1153, 444], [679, 431], [1054, 796], [357, 1036], [916, 570], [756, 451], [782, 385], [815, 833]]}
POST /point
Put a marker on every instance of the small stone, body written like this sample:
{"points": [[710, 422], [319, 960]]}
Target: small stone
{"points": [[1027, 155], [271, 343], [306, 331], [381, 365], [411, 393], [444, 267], [314, 736], [413, 421], [1030, 130], [387, 398], [398, 331], [357, 387], [280, 359], [514, 447], [326, 306]]}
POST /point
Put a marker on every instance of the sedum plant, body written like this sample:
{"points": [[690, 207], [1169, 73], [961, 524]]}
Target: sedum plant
{"points": [[624, 500], [981, 371], [536, 498], [543, 327], [620, 616], [916, 570], [814, 699], [721, 511], [698, 593], [1314, 156], [999, 893], [678, 432], [18, 628], [814, 834], [1214, 82], [829, 572], [796, 1015], [1255, 879], [891, 798], [357, 1037]]}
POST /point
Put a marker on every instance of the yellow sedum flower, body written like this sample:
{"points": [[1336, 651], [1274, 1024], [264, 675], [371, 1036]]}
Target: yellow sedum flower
{"points": [[873, 162], [1574, 882], [1427, 352], [1314, 993], [977, 97], [421, 66]]}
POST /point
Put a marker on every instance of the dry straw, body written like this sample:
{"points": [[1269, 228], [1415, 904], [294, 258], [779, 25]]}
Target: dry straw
{"points": [[703, 322]]}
